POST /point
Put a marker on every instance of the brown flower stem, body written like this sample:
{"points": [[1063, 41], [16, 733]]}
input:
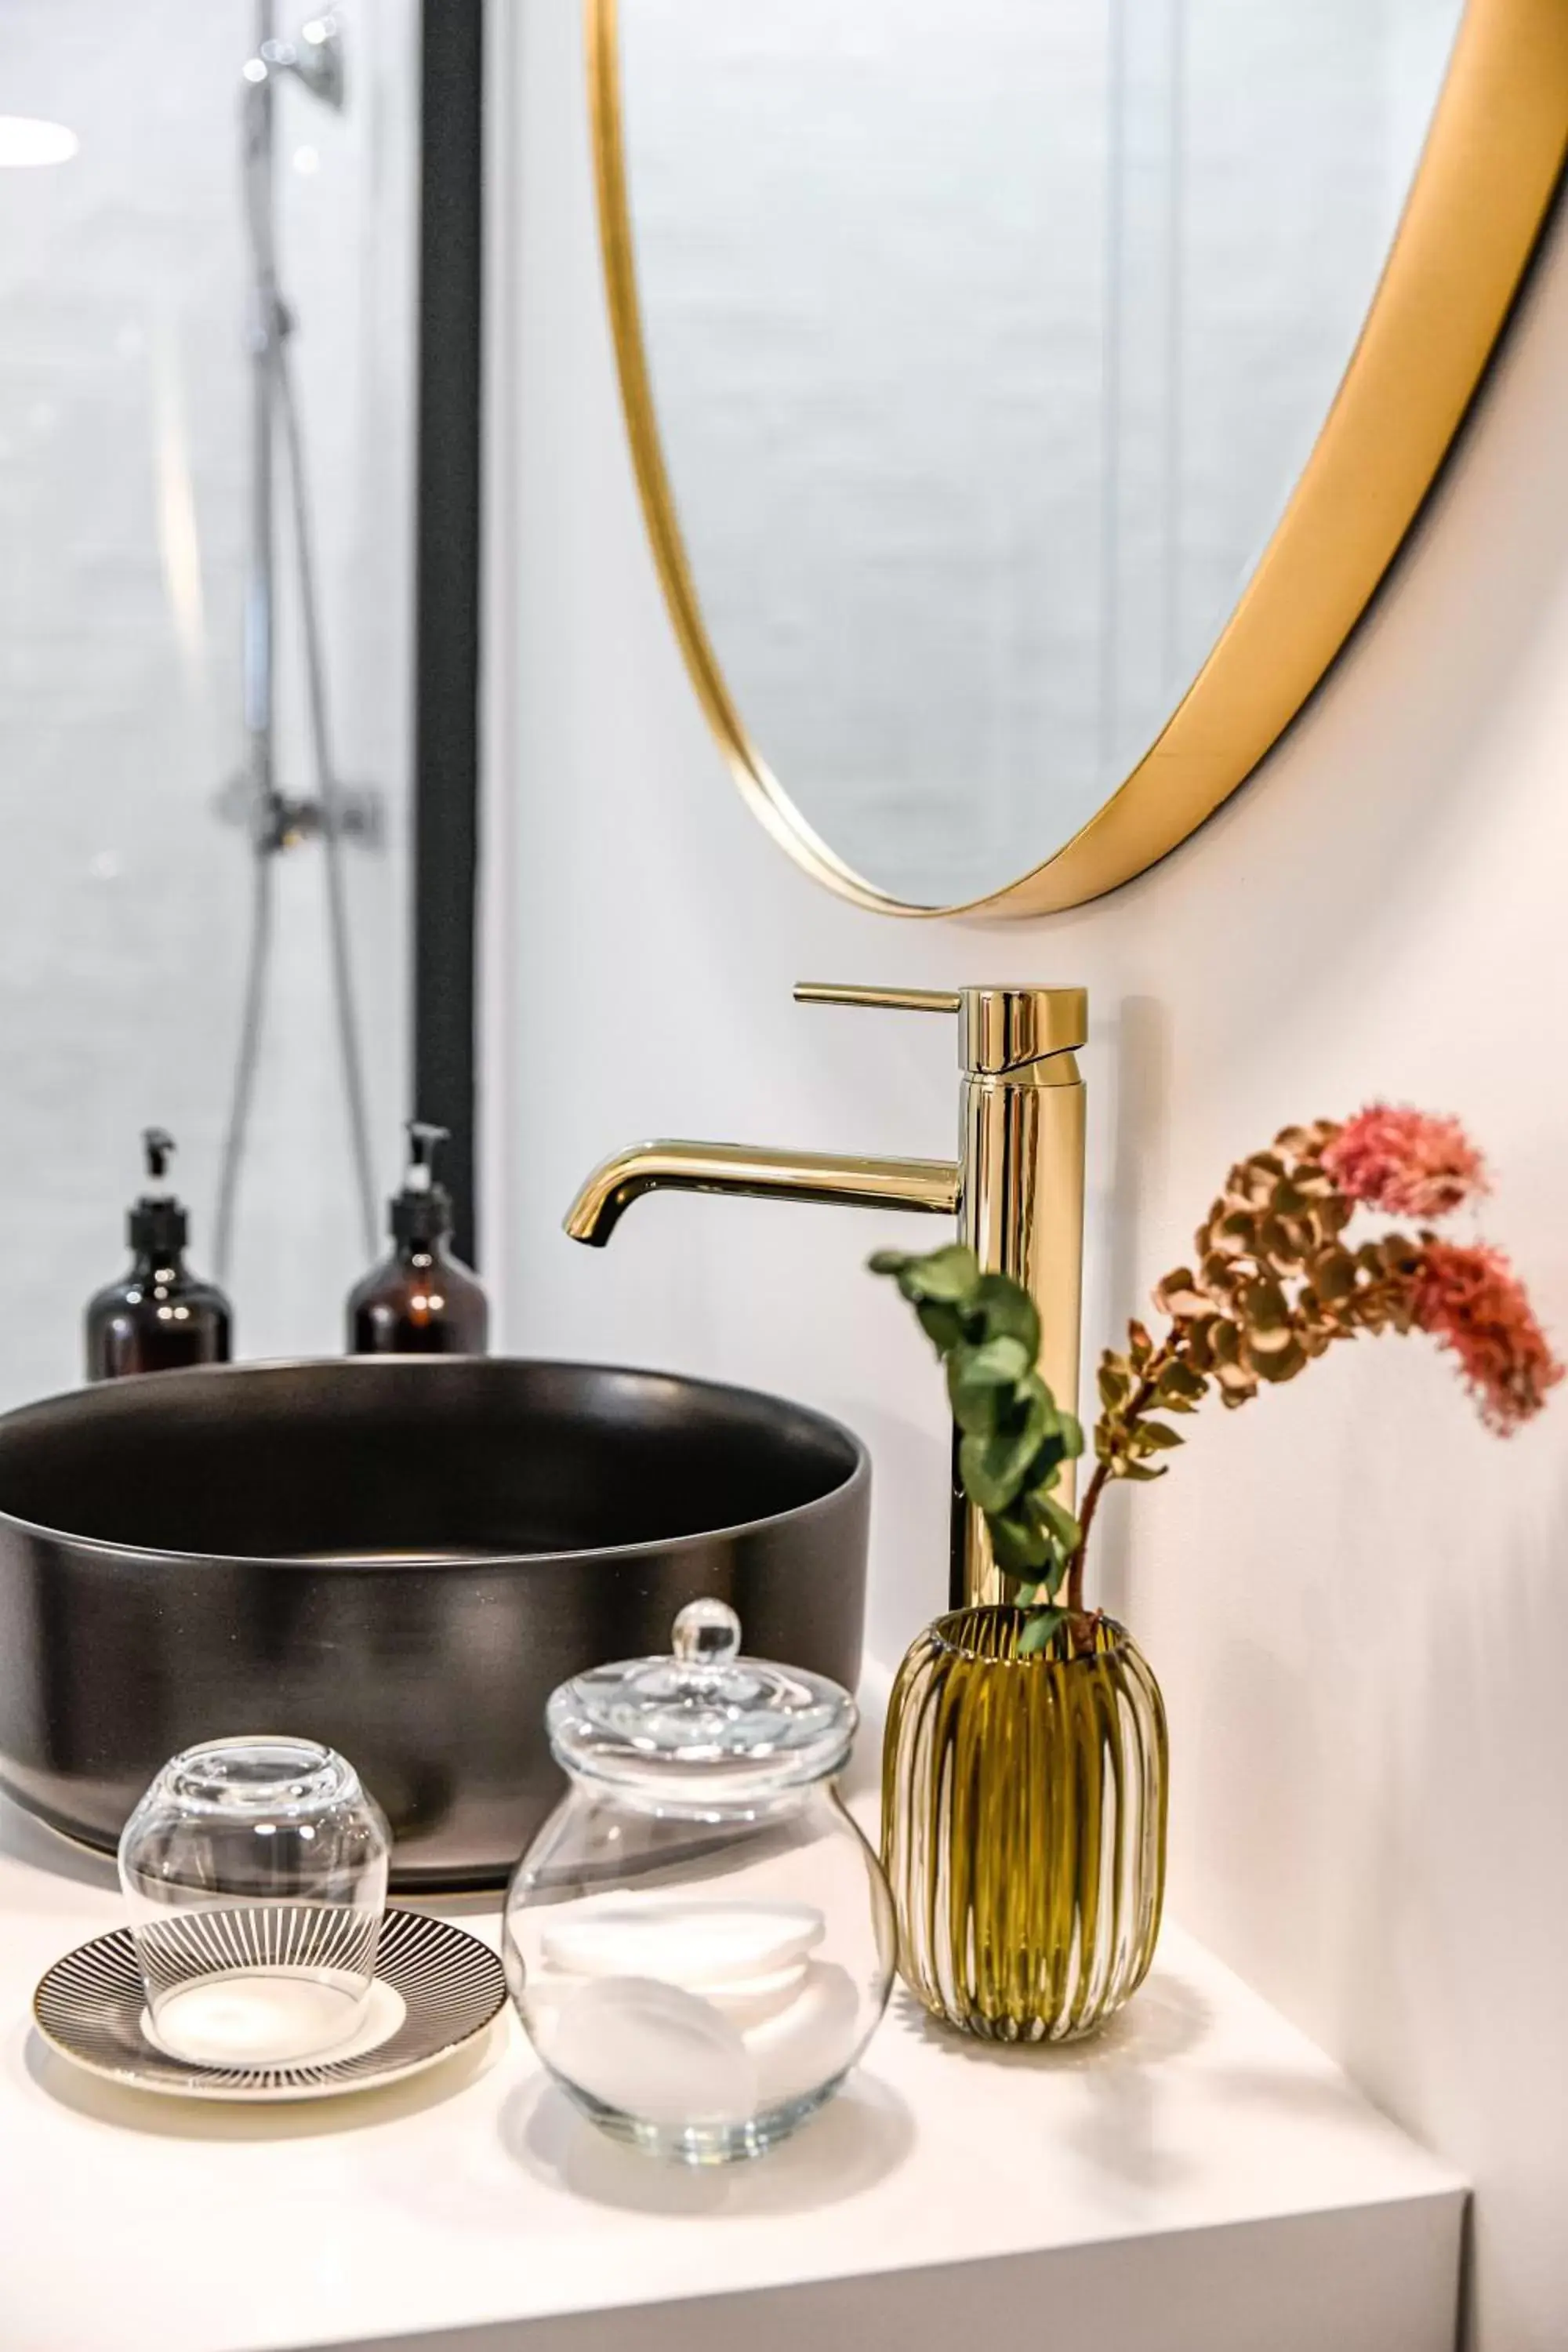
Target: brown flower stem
{"points": [[1142, 1397], [1085, 1519]]}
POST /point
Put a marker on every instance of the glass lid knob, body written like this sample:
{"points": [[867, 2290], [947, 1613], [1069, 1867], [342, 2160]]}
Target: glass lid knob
{"points": [[707, 1633], [754, 1724]]}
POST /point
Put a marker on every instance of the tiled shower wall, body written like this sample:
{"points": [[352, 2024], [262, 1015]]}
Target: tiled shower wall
{"points": [[123, 472]]}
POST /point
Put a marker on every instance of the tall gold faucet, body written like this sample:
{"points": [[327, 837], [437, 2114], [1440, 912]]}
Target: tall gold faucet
{"points": [[1017, 1186]]}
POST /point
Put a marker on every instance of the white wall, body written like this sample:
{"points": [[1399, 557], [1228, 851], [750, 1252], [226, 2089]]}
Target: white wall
{"points": [[1357, 1602]]}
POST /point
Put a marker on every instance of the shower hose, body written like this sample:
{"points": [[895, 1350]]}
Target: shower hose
{"points": [[271, 352]]}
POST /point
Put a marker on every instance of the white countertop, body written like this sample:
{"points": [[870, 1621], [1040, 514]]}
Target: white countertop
{"points": [[1199, 2179]]}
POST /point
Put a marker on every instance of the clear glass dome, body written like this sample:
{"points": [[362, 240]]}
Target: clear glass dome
{"points": [[699, 1942], [255, 1872]]}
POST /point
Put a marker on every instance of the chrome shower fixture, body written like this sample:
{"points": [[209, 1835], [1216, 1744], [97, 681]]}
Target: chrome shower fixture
{"points": [[315, 57], [333, 811]]}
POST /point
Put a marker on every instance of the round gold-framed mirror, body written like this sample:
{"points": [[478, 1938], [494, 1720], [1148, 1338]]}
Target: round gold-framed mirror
{"points": [[722, 132]]}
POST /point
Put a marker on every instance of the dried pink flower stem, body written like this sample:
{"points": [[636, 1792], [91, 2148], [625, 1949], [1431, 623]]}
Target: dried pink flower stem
{"points": [[1275, 1284]]}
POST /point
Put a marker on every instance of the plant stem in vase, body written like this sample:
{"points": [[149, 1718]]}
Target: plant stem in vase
{"points": [[1024, 1768]]}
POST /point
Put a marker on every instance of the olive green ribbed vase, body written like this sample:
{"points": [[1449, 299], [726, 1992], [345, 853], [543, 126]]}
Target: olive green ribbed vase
{"points": [[1024, 1826]]}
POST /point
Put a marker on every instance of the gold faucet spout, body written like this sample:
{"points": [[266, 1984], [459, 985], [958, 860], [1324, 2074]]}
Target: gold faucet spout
{"points": [[1016, 1188], [931, 1186]]}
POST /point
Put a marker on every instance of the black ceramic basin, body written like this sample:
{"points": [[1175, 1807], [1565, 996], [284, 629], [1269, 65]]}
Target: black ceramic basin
{"points": [[400, 1556]]}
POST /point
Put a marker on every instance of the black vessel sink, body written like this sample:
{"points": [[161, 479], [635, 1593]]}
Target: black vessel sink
{"points": [[400, 1556]]}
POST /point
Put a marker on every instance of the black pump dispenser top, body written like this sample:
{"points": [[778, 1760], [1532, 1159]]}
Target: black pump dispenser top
{"points": [[421, 1212], [157, 1226], [159, 1317], [419, 1301]]}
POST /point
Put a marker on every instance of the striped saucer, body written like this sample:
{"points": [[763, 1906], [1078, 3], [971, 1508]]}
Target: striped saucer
{"points": [[435, 1987]]}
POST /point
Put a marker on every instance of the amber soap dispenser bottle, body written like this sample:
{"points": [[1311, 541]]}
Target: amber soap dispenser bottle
{"points": [[161, 1317], [420, 1300]]}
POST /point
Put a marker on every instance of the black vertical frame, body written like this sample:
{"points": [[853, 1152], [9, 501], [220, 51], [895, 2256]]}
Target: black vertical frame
{"points": [[445, 815]]}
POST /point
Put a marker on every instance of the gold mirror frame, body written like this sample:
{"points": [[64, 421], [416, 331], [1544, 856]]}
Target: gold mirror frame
{"points": [[1477, 205]]}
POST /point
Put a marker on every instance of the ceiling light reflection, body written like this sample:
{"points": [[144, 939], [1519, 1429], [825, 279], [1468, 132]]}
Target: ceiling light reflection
{"points": [[27, 140]]}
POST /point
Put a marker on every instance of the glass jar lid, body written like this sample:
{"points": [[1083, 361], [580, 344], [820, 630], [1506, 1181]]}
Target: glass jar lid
{"points": [[735, 1726]]}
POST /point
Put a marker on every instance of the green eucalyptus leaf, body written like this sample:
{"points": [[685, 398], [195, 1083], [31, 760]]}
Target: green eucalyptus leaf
{"points": [[977, 1412], [888, 1261], [1141, 1471], [992, 1467], [1035, 1408], [1009, 1311], [942, 1325], [1054, 1578], [1055, 1519], [1032, 1417], [1041, 1631], [1017, 1543], [1046, 1469], [981, 1382], [1070, 1430], [1002, 1361], [948, 1275], [1033, 1393]]}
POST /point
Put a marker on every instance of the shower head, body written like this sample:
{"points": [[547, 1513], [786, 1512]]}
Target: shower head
{"points": [[318, 60], [315, 58]]}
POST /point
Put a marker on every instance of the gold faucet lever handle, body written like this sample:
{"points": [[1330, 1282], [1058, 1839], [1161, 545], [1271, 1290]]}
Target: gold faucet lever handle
{"points": [[1002, 1029], [883, 1000]]}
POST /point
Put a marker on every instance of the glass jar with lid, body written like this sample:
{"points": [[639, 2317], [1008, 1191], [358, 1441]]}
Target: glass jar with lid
{"points": [[699, 1942]]}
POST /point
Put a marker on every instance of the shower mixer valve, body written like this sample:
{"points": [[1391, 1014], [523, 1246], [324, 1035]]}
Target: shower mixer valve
{"points": [[282, 820]]}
